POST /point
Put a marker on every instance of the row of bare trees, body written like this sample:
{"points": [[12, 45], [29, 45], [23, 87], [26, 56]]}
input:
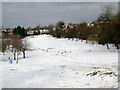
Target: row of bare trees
{"points": [[104, 30], [15, 44]]}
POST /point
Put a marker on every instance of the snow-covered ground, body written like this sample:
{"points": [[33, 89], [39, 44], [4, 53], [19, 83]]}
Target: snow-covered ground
{"points": [[62, 63], [0, 70]]}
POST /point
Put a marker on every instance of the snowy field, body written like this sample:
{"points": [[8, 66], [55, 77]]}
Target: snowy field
{"points": [[0, 70], [62, 63]]}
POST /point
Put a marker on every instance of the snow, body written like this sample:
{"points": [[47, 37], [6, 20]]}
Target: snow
{"points": [[0, 70], [62, 63]]}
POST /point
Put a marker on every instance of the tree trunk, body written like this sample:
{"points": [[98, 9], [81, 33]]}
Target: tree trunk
{"points": [[23, 54], [17, 58], [14, 55], [107, 46], [76, 39]]}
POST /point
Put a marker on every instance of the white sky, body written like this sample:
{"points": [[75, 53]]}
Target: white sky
{"points": [[60, 0], [29, 14]]}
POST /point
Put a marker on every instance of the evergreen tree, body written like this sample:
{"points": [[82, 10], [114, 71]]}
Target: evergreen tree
{"points": [[20, 31]]}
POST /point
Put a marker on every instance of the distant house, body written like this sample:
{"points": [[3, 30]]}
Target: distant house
{"points": [[44, 31], [32, 31], [7, 31], [29, 31], [70, 25], [89, 24]]}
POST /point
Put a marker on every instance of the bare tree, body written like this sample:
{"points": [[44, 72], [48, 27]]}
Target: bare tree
{"points": [[4, 45], [24, 46], [105, 18], [16, 45]]}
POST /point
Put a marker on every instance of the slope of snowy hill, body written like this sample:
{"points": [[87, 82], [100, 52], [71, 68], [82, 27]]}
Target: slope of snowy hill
{"points": [[62, 63], [0, 70]]}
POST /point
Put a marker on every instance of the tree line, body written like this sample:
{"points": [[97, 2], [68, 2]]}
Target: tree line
{"points": [[105, 30]]}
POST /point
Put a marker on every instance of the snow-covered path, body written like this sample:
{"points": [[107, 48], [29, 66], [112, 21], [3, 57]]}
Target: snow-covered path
{"points": [[62, 63]]}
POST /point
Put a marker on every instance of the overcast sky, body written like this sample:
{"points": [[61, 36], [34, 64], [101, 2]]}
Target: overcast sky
{"points": [[34, 13], [60, 0]]}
